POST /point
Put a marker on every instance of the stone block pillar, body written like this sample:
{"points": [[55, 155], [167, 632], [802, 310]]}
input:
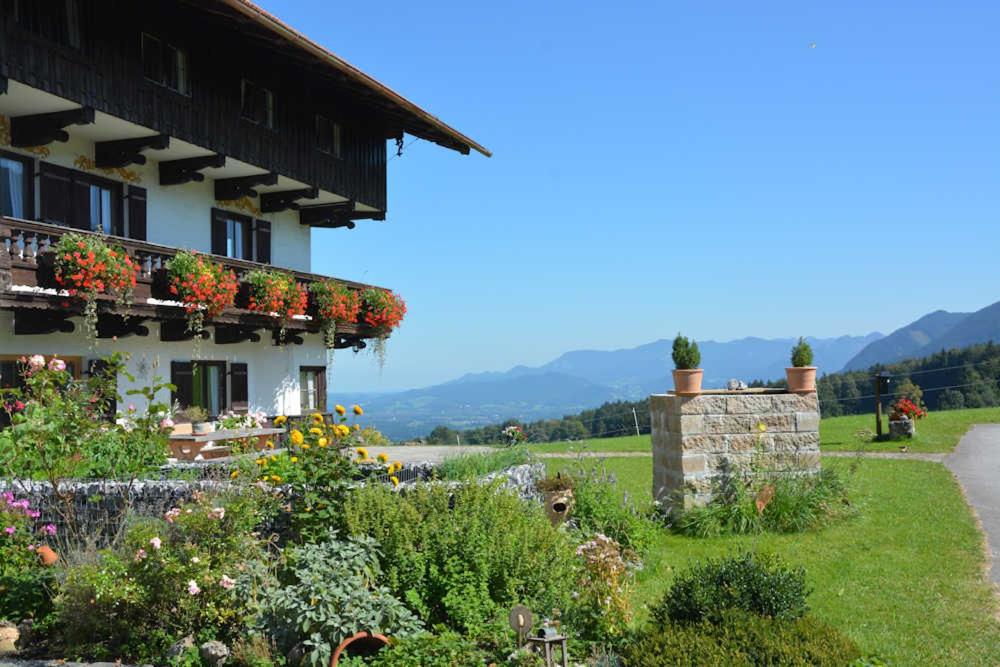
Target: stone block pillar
{"points": [[699, 439]]}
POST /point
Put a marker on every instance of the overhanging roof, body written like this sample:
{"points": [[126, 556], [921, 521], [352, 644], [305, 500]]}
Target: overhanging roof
{"points": [[419, 122]]}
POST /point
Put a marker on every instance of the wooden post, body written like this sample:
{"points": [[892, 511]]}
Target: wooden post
{"points": [[878, 407]]}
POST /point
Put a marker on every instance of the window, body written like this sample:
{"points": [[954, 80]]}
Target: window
{"points": [[201, 383], [55, 20], [165, 64], [240, 237], [312, 389], [12, 369], [79, 200], [15, 186], [329, 137], [257, 104]]}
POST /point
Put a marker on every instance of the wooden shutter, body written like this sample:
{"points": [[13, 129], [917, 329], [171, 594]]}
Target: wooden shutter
{"points": [[182, 377], [218, 233], [262, 237], [247, 225], [55, 192], [136, 213], [321, 390], [239, 387]]}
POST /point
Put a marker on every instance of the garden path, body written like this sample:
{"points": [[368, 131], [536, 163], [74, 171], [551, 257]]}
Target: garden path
{"points": [[976, 463]]}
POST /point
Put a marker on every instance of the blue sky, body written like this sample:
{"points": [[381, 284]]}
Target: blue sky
{"points": [[665, 166]]}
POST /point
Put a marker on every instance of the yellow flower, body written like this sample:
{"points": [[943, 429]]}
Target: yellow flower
{"points": [[399, 465], [305, 446], [323, 442], [296, 437], [234, 474], [357, 427], [273, 457], [280, 420], [275, 478], [761, 427], [294, 459], [316, 431], [269, 444], [340, 410], [394, 480], [344, 431], [383, 457], [262, 462], [317, 418], [362, 452], [358, 411]]}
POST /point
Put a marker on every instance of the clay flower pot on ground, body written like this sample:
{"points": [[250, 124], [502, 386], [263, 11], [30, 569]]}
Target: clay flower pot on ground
{"points": [[801, 376], [687, 375], [46, 555], [362, 644]]}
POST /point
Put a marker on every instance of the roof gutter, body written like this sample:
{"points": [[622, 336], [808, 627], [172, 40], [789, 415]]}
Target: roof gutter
{"points": [[269, 21]]}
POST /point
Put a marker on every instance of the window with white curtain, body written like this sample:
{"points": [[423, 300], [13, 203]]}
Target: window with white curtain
{"points": [[13, 187]]}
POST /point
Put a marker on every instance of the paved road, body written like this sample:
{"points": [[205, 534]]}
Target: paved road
{"points": [[976, 463], [425, 453]]}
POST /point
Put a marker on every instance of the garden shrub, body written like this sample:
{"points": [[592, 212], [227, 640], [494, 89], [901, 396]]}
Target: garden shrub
{"points": [[753, 583], [601, 609], [323, 593], [798, 503], [172, 577], [599, 508], [25, 584], [447, 649], [462, 555], [740, 638]]}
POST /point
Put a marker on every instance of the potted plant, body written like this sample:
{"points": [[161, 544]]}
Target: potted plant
{"points": [[197, 416], [335, 304], [277, 294], [801, 376], [903, 416], [203, 286], [687, 374], [383, 311]]}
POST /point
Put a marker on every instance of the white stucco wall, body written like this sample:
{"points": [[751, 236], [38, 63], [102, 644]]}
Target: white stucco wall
{"points": [[180, 215], [273, 371]]}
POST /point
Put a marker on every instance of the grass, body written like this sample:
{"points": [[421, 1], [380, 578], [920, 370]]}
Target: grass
{"points": [[628, 443], [904, 578], [469, 466], [940, 431]]}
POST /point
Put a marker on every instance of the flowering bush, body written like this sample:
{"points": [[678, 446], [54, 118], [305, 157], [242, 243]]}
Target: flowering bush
{"points": [[513, 435], [904, 408], [205, 287], [86, 266], [22, 542], [601, 609], [335, 304], [236, 421], [277, 294], [383, 311]]}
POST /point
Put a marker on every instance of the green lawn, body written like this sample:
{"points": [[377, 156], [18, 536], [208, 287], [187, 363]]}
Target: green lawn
{"points": [[904, 577], [628, 443], [938, 432]]}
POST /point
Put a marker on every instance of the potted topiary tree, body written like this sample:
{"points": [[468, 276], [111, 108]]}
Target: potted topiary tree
{"points": [[687, 375], [801, 376]]}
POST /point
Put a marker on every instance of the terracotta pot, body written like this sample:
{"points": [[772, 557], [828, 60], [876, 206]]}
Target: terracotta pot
{"points": [[361, 644], [687, 382], [46, 555], [801, 379]]}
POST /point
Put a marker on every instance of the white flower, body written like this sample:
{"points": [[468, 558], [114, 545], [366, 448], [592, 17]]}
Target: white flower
{"points": [[156, 542], [36, 363], [195, 560], [226, 582], [193, 587]]}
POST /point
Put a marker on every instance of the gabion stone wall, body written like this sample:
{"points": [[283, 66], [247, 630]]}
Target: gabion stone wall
{"points": [[699, 440]]}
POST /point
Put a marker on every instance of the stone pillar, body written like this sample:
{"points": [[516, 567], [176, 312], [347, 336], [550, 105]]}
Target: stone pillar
{"points": [[698, 439]]}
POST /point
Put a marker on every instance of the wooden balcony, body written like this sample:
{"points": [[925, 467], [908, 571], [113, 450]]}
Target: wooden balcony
{"points": [[28, 287]]}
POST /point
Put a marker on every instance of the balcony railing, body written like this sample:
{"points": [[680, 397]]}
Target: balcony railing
{"points": [[26, 276]]}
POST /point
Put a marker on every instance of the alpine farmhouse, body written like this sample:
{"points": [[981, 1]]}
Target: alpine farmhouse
{"points": [[168, 125]]}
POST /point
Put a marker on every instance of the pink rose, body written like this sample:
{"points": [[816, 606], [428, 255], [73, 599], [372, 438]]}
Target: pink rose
{"points": [[226, 582], [156, 542], [36, 363], [166, 423], [193, 587], [57, 364], [140, 555]]}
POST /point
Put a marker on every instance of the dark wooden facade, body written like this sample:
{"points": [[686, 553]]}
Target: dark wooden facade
{"points": [[105, 71]]}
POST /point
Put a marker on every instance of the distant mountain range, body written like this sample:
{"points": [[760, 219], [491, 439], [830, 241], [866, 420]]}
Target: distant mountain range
{"points": [[585, 379]]}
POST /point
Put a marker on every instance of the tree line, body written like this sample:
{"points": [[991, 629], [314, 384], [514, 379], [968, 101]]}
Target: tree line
{"points": [[948, 380]]}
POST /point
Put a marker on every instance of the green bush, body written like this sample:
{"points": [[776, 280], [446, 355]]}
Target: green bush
{"points": [[757, 584], [471, 466], [742, 639], [598, 507], [685, 353], [448, 649], [799, 503], [462, 555], [802, 354], [323, 593]]}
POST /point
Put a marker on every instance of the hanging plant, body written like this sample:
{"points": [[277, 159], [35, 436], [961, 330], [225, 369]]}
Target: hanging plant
{"points": [[205, 287], [86, 266], [277, 294], [335, 303], [383, 311]]}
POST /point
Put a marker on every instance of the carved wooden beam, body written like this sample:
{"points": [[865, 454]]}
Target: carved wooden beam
{"points": [[178, 172], [227, 189], [328, 215], [123, 152], [288, 339], [228, 334], [44, 128], [34, 322], [275, 202], [172, 331], [344, 342], [120, 326]]}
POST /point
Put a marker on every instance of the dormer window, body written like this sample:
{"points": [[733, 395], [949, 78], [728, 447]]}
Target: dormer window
{"points": [[329, 136], [57, 20], [165, 64], [257, 104]]}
